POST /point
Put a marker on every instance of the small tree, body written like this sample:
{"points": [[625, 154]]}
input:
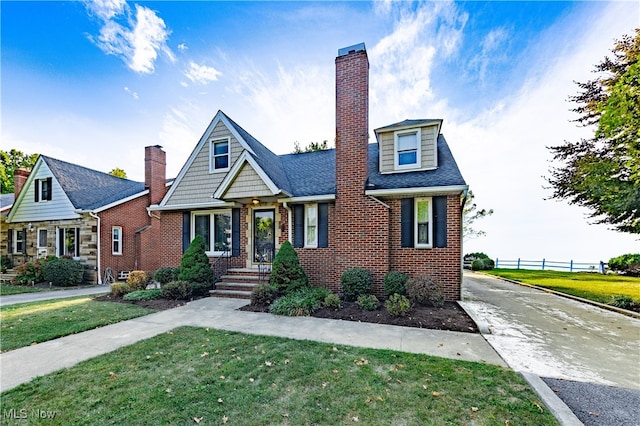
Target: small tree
{"points": [[195, 267], [287, 275]]}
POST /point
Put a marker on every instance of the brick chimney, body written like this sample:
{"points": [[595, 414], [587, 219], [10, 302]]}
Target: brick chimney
{"points": [[361, 224], [19, 179], [155, 172], [352, 119]]}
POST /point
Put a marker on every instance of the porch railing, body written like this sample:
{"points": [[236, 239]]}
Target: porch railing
{"points": [[221, 265], [264, 264]]}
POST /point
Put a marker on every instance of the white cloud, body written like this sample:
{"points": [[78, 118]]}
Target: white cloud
{"points": [[133, 94], [201, 74], [137, 40], [182, 47]]}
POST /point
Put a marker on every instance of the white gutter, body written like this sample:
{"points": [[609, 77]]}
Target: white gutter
{"points": [[92, 214], [124, 200], [215, 204], [420, 190], [308, 198], [289, 224]]}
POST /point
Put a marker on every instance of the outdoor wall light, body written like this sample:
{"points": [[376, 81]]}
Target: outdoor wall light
{"points": [[255, 201]]}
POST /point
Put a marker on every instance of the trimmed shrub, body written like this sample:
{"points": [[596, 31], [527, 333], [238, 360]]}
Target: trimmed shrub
{"points": [[394, 283], [138, 280], [332, 301], [479, 261], [140, 295], [167, 274], [63, 272], [628, 264], [398, 305], [195, 267], [623, 302], [355, 282], [264, 295], [287, 275], [120, 289], [424, 290], [368, 302], [298, 304], [200, 289], [477, 265], [176, 290], [29, 272]]}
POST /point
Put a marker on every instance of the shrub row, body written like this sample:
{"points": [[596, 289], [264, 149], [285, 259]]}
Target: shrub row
{"points": [[627, 264]]}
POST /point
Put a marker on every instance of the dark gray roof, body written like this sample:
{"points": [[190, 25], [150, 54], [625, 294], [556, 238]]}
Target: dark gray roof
{"points": [[267, 160], [447, 173], [89, 189], [6, 200], [314, 173], [412, 123]]}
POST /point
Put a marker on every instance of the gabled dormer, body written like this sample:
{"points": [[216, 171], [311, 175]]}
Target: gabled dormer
{"points": [[408, 146]]}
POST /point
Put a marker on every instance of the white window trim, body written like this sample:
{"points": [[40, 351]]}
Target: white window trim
{"points": [[212, 168], [306, 226], [41, 183], [212, 236], [119, 252], [15, 240], [415, 222], [418, 164]]}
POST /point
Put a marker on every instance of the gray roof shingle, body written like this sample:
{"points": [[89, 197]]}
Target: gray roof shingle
{"points": [[89, 189]]}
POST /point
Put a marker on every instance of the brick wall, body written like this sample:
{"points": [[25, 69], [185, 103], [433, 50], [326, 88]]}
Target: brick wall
{"points": [[442, 263]]}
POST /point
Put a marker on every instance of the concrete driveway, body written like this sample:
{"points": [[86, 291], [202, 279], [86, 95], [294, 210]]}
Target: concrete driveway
{"points": [[552, 336]]}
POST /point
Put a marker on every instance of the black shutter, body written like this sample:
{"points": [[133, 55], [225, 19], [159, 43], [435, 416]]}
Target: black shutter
{"points": [[24, 240], [50, 188], [10, 241], [406, 222], [323, 225], [77, 240], [36, 192], [440, 221], [186, 231], [61, 248], [298, 225], [235, 232]]}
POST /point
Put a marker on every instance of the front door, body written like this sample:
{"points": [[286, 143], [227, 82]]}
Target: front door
{"points": [[264, 232]]}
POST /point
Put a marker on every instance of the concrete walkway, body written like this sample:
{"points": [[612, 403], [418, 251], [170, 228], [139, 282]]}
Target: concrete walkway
{"points": [[22, 365], [50, 295]]}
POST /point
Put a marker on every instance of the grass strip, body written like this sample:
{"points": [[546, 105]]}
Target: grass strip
{"points": [[28, 323], [203, 376], [9, 289], [597, 287]]}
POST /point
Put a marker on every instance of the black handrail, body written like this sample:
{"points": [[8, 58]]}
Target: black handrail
{"points": [[221, 264], [264, 265]]}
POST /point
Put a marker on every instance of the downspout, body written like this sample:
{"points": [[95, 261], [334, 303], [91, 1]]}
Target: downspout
{"points": [[95, 216], [289, 228]]}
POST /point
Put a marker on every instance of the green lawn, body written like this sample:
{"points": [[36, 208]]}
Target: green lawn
{"points": [[194, 375], [7, 289], [597, 287], [27, 323]]}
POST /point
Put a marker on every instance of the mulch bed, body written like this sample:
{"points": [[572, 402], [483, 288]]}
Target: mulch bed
{"points": [[451, 317], [158, 304]]}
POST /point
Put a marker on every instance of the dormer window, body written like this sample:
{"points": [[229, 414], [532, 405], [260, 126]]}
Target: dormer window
{"points": [[407, 149], [219, 156], [43, 190]]}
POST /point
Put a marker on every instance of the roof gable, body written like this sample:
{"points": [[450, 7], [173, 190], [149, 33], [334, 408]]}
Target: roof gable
{"points": [[246, 179]]}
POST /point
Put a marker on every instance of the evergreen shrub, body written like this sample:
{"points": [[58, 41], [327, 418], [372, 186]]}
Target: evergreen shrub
{"points": [[195, 266], [424, 290], [355, 282], [176, 290], [287, 275], [394, 283], [63, 272]]}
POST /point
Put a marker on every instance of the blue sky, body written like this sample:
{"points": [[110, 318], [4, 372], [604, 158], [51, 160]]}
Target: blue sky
{"points": [[93, 83]]}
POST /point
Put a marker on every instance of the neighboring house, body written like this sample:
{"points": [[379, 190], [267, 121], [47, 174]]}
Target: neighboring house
{"points": [[62, 209], [392, 205]]}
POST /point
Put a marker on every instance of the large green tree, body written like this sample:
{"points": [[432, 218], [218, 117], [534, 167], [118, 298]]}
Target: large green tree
{"points": [[602, 173], [9, 162]]}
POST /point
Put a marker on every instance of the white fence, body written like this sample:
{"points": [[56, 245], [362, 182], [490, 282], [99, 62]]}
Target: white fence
{"points": [[553, 265]]}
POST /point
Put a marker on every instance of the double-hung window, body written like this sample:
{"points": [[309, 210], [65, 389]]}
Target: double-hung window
{"points": [[20, 241], [116, 240], [220, 160], [407, 149], [311, 226], [215, 230], [423, 228], [68, 242], [43, 190]]}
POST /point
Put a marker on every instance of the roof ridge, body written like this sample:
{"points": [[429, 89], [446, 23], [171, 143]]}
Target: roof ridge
{"points": [[45, 158]]}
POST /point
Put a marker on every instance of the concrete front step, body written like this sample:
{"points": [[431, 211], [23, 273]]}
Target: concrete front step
{"points": [[235, 289], [236, 294], [250, 279]]}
